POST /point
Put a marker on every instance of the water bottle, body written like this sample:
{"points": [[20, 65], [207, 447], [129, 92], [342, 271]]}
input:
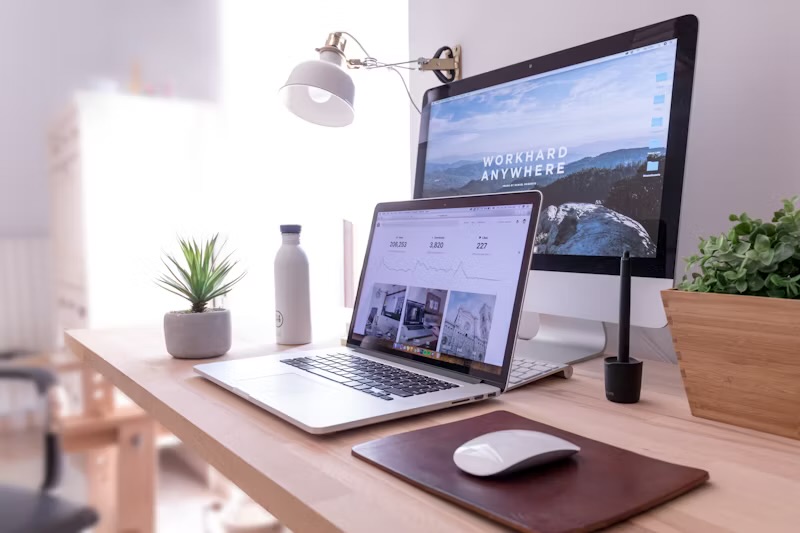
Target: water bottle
{"points": [[292, 294]]}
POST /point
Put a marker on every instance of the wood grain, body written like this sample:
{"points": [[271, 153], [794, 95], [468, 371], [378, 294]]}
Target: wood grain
{"points": [[137, 465], [739, 358], [312, 483]]}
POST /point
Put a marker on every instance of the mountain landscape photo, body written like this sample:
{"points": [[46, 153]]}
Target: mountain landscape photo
{"points": [[602, 205], [592, 139], [626, 198]]}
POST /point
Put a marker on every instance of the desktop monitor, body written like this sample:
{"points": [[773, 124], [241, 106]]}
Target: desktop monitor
{"points": [[601, 130]]}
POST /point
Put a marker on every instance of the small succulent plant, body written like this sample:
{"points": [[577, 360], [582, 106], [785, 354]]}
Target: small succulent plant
{"points": [[753, 258], [202, 277]]}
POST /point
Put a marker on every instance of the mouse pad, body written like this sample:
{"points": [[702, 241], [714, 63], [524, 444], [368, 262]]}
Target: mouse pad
{"points": [[598, 487]]}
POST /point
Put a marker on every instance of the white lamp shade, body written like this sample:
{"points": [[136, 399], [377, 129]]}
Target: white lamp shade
{"points": [[320, 91]]}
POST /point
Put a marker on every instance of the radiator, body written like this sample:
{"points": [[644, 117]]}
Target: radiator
{"points": [[27, 311]]}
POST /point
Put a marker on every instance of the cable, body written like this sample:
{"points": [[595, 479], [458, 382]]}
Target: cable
{"points": [[400, 64], [371, 62], [408, 92], [356, 41]]}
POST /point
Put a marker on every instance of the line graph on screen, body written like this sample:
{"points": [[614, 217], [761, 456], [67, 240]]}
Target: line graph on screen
{"points": [[428, 271]]}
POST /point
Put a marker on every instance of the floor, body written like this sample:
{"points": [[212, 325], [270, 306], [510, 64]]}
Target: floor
{"points": [[182, 495], [183, 498]]}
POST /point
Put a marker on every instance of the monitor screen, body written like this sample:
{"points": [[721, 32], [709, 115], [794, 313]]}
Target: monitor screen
{"points": [[600, 129], [591, 136], [441, 284]]}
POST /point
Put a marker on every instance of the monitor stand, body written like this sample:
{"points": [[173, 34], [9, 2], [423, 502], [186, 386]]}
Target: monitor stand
{"points": [[559, 339]]}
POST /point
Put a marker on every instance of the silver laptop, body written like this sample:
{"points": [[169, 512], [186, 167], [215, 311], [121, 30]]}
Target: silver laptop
{"points": [[434, 322]]}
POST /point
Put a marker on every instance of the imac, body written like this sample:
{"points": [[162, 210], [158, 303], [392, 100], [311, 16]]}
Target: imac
{"points": [[601, 131]]}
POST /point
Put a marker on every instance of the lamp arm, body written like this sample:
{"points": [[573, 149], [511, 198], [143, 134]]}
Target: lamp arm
{"points": [[446, 69], [450, 63]]}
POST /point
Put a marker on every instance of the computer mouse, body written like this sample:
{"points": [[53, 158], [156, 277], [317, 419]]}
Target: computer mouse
{"points": [[509, 451]]}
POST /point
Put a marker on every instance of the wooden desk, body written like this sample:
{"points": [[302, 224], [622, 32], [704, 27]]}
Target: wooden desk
{"points": [[314, 484]]}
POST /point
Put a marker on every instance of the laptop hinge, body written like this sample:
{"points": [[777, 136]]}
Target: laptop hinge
{"points": [[415, 364]]}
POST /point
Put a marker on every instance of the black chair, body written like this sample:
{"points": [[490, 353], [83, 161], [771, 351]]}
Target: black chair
{"points": [[29, 511]]}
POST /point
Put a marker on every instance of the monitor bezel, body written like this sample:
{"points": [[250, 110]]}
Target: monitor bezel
{"points": [[499, 380], [685, 30]]}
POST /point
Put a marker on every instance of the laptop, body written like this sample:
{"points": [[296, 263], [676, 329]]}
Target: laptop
{"points": [[456, 266]]}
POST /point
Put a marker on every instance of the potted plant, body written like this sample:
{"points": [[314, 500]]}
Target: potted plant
{"points": [[201, 331], [735, 324]]}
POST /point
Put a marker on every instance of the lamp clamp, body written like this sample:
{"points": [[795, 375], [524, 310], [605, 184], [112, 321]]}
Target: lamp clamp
{"points": [[445, 63]]}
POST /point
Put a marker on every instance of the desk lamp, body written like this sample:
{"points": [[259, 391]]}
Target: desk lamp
{"points": [[321, 91]]}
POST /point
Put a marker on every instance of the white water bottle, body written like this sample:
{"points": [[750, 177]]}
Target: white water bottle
{"points": [[292, 294]]}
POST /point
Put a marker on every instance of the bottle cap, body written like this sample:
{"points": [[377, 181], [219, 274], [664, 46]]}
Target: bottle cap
{"points": [[290, 228]]}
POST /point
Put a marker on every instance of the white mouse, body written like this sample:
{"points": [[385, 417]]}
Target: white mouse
{"points": [[512, 450]]}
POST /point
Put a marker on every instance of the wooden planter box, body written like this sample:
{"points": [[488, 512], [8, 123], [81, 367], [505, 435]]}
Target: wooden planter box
{"points": [[739, 358]]}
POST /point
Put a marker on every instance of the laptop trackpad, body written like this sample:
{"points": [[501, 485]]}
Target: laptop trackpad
{"points": [[283, 385]]}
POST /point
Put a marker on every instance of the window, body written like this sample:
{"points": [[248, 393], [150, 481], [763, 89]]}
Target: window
{"points": [[282, 170]]}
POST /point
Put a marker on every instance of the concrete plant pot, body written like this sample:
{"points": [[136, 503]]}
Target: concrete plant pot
{"points": [[198, 335]]}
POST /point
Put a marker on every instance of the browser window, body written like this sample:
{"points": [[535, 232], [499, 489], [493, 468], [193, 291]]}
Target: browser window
{"points": [[441, 283]]}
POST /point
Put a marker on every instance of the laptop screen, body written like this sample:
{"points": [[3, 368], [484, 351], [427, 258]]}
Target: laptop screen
{"points": [[443, 284]]}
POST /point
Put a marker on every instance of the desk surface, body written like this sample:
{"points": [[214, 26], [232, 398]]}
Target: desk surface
{"points": [[312, 483]]}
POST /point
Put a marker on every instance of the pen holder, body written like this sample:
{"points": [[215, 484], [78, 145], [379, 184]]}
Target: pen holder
{"points": [[623, 380]]}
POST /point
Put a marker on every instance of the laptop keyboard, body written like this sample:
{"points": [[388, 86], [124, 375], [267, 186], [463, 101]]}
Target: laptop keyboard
{"points": [[365, 375]]}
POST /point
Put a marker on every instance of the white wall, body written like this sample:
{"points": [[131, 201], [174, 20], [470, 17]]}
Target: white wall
{"points": [[745, 121], [49, 48]]}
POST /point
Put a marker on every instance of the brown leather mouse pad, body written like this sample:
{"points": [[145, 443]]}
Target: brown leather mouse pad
{"points": [[597, 487]]}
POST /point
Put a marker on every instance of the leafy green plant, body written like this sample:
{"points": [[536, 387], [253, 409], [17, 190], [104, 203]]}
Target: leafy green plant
{"points": [[754, 258], [202, 278]]}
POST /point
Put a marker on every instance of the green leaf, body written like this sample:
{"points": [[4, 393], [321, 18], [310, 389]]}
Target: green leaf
{"points": [[752, 266], [755, 284], [752, 257], [775, 281], [768, 268], [783, 252], [792, 290], [184, 275], [710, 245], [174, 292], [201, 276], [761, 244], [225, 288], [766, 257]]}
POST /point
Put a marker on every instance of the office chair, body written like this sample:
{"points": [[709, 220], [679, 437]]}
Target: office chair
{"points": [[28, 511]]}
